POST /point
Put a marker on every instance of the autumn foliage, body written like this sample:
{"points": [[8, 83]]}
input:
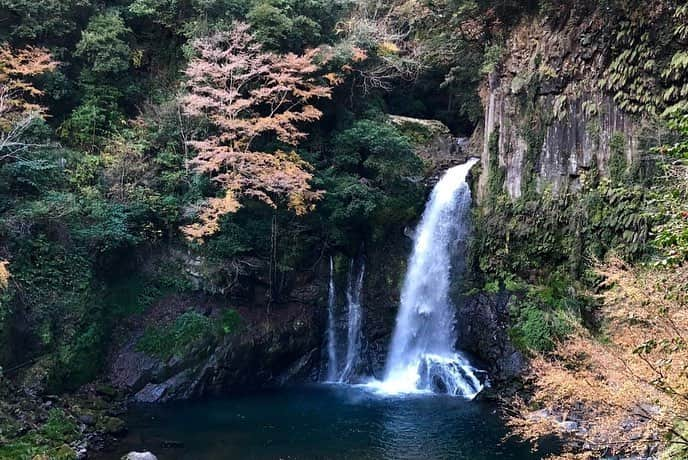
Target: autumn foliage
{"points": [[15, 90], [4, 274], [17, 110], [251, 96], [629, 384]]}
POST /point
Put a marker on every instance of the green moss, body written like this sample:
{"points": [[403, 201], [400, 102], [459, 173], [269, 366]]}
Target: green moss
{"points": [[532, 330], [594, 130], [491, 58], [539, 233], [617, 157], [496, 173], [230, 321], [59, 427], [492, 287], [545, 315], [49, 441], [677, 449], [167, 341], [35, 448], [111, 425], [187, 330], [24, 448]]}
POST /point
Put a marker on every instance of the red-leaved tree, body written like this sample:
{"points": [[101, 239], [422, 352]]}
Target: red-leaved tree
{"points": [[250, 95]]}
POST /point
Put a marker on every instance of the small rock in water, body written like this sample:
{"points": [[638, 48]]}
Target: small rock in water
{"points": [[81, 450], [139, 456]]}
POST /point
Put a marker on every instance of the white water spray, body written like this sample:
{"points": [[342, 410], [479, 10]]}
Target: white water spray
{"points": [[338, 370], [422, 357], [332, 365], [353, 336]]}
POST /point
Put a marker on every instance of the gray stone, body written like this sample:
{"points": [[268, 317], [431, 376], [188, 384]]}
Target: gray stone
{"points": [[87, 419], [575, 121], [150, 393], [483, 331], [569, 426], [139, 456]]}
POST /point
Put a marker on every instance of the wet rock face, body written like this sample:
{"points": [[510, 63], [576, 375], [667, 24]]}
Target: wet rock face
{"points": [[483, 330], [271, 345], [278, 350], [546, 121], [381, 298], [287, 344], [433, 142]]}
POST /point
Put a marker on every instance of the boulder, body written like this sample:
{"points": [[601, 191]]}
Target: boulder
{"points": [[569, 426], [139, 456]]}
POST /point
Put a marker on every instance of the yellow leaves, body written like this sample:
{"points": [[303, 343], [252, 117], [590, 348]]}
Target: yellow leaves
{"points": [[15, 67], [388, 48], [209, 216], [334, 79], [358, 54], [4, 274], [639, 367], [137, 58], [310, 113]]}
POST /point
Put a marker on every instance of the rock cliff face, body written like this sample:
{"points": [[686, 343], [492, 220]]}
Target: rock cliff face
{"points": [[483, 330], [273, 344], [546, 120]]}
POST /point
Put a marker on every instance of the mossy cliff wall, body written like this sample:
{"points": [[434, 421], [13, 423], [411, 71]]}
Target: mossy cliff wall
{"points": [[547, 121]]}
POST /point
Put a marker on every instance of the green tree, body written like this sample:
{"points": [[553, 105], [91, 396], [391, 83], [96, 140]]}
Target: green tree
{"points": [[294, 25], [370, 184], [104, 46], [106, 57], [46, 21]]}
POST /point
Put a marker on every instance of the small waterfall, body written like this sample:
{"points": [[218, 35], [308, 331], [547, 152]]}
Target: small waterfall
{"points": [[422, 355], [332, 365], [353, 336], [354, 287]]}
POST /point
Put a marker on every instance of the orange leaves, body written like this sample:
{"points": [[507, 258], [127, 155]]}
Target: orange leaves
{"points": [[15, 67], [249, 95], [209, 214], [360, 55], [630, 384], [334, 79], [4, 274]]}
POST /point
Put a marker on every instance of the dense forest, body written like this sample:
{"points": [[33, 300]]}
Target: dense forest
{"points": [[175, 174]]}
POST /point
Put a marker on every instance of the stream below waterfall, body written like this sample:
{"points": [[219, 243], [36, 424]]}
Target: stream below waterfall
{"points": [[321, 422]]}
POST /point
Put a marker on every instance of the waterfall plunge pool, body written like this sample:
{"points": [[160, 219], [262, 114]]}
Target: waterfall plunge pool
{"points": [[321, 422]]}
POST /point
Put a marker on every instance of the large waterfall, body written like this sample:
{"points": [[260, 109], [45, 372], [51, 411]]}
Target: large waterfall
{"points": [[353, 337], [422, 356]]}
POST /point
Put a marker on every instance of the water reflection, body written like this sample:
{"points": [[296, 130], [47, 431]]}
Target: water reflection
{"points": [[327, 422]]}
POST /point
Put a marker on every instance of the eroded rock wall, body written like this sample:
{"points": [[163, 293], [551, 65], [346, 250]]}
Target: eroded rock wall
{"points": [[546, 120]]}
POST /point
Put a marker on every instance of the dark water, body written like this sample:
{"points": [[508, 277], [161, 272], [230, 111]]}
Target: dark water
{"points": [[321, 422]]}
